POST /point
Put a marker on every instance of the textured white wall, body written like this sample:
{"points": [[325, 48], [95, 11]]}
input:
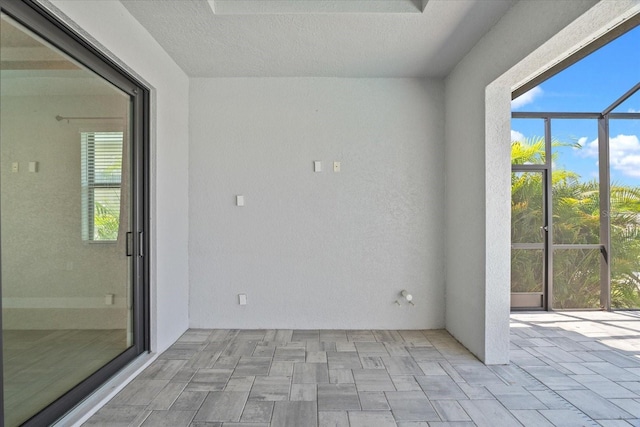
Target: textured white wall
{"points": [[111, 25], [477, 94], [316, 250], [307, 237]]}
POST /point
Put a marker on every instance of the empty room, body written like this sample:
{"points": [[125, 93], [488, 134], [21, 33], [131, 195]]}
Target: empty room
{"points": [[301, 213]]}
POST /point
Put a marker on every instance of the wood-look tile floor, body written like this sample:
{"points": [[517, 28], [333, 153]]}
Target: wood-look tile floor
{"points": [[568, 369], [41, 365]]}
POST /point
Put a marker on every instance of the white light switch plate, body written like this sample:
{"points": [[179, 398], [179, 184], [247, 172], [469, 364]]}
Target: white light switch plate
{"points": [[240, 200], [336, 166], [242, 299], [317, 166]]}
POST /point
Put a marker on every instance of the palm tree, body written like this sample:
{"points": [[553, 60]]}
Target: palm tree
{"points": [[576, 220], [625, 246]]}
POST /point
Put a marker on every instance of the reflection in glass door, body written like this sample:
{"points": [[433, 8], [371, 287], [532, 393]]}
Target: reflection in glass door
{"points": [[69, 298]]}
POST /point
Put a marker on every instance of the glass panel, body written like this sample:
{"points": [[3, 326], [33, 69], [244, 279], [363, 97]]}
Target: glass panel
{"points": [[527, 141], [576, 278], [527, 214], [101, 180], [624, 156], [106, 213], [65, 300], [527, 272], [576, 205]]}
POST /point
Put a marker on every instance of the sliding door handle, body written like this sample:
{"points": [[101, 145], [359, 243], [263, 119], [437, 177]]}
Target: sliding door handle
{"points": [[141, 243]]}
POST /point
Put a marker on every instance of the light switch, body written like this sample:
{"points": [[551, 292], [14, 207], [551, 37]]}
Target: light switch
{"points": [[242, 299], [15, 167], [317, 166], [240, 200], [336, 166], [33, 166]]}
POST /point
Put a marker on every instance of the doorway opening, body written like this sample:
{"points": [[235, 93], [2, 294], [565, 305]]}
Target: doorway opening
{"points": [[575, 181]]}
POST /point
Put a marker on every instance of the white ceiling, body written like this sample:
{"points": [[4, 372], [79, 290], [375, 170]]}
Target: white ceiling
{"points": [[341, 43], [30, 66]]}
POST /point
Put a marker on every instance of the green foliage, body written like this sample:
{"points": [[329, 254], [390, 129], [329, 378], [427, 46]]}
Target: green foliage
{"points": [[105, 223], [576, 220], [528, 152]]}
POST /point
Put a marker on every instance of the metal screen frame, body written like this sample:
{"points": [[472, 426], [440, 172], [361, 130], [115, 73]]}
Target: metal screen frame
{"points": [[604, 192]]}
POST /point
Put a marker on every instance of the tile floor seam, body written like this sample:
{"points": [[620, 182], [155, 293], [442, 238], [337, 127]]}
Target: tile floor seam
{"points": [[143, 420], [556, 396]]}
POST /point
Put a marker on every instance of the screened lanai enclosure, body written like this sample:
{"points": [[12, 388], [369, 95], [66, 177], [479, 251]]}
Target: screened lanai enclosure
{"points": [[575, 207]]}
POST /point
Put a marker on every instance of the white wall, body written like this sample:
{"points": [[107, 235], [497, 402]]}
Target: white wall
{"points": [[110, 25], [282, 246], [477, 128], [316, 250]]}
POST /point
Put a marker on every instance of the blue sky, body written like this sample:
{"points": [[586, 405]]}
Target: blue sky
{"points": [[591, 85]]}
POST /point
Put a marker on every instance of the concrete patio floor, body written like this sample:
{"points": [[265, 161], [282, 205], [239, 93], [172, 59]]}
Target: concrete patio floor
{"points": [[568, 369]]}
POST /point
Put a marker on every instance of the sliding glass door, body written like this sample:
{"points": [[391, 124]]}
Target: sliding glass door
{"points": [[72, 218]]}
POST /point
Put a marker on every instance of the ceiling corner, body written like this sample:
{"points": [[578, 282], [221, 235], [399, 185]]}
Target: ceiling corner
{"points": [[314, 7]]}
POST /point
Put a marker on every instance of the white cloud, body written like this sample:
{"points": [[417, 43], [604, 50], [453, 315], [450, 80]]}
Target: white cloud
{"points": [[629, 166], [526, 98], [517, 136], [624, 153], [631, 110], [581, 142], [590, 149]]}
